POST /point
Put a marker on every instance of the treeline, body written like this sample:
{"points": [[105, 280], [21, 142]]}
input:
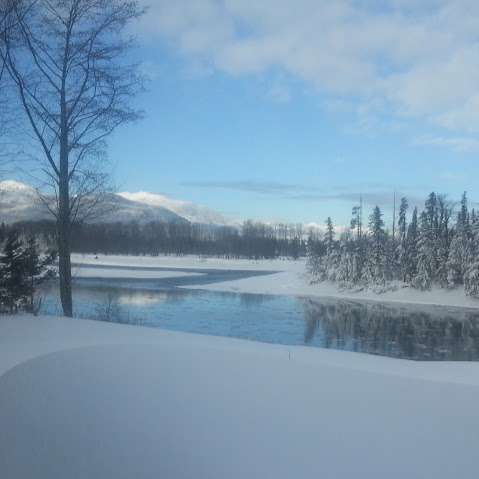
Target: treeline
{"points": [[23, 267], [252, 240], [436, 246]]}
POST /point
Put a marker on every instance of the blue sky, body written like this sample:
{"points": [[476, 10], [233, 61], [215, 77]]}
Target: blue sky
{"points": [[289, 110]]}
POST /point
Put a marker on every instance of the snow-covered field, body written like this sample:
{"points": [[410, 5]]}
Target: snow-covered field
{"points": [[291, 279], [193, 262], [100, 400], [82, 272]]}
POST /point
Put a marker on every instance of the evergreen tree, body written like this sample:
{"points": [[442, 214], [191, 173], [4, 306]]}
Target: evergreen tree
{"points": [[330, 233], [402, 251], [14, 286], [443, 241], [410, 266], [471, 279], [390, 257], [356, 221], [332, 256], [424, 252], [315, 254], [377, 247], [37, 269], [424, 274], [460, 250], [432, 225], [343, 274]]}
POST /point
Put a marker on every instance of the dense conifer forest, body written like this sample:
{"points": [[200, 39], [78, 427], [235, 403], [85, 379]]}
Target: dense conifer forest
{"points": [[252, 240], [436, 246]]}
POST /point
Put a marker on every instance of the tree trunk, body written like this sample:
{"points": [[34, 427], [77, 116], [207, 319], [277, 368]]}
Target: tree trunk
{"points": [[64, 249], [64, 220]]}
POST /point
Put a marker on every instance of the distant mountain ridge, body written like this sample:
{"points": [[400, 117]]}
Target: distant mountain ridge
{"points": [[20, 202], [190, 211]]}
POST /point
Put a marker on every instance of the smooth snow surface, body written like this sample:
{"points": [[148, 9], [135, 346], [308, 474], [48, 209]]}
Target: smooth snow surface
{"points": [[81, 399], [188, 261], [82, 272], [290, 279]]}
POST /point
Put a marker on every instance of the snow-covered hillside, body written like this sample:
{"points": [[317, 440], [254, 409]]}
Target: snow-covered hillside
{"points": [[20, 202], [190, 211]]}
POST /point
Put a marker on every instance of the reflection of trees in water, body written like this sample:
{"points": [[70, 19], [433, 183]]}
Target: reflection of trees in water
{"points": [[254, 300], [400, 332]]}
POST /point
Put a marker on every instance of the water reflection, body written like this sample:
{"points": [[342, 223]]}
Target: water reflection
{"points": [[412, 332], [254, 300]]}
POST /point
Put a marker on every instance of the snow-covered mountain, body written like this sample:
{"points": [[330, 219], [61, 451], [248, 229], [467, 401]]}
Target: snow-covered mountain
{"points": [[190, 211], [20, 202]]}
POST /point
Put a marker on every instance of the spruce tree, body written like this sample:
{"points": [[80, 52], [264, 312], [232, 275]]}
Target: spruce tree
{"points": [[471, 279], [330, 233], [377, 247], [424, 274], [14, 286], [402, 250], [443, 240], [412, 247], [37, 269], [460, 249], [343, 274], [356, 221], [432, 221], [332, 257]]}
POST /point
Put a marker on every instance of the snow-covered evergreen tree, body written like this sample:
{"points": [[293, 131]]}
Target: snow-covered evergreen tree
{"points": [[412, 248], [375, 270], [402, 250], [356, 220], [331, 261], [471, 278], [37, 269], [425, 254], [443, 240], [431, 212], [22, 269], [460, 249], [15, 289], [343, 273], [330, 234], [425, 251]]}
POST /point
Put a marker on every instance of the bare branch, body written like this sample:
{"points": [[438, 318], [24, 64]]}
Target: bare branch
{"points": [[67, 60]]}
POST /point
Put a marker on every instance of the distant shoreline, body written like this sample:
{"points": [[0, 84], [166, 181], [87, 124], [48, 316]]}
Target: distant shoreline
{"points": [[288, 278]]}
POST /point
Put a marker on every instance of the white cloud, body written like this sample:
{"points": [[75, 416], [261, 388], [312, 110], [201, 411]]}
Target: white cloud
{"points": [[405, 57], [460, 145]]}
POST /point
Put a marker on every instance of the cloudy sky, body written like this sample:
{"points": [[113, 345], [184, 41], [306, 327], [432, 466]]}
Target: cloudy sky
{"points": [[289, 109]]}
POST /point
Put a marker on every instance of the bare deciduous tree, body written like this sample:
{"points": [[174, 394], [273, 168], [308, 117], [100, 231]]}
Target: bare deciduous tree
{"points": [[5, 10], [71, 71]]}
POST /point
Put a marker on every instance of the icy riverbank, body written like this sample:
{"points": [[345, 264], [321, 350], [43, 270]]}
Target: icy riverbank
{"points": [[290, 279]]}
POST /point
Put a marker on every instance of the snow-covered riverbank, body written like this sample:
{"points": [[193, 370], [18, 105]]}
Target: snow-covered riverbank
{"points": [[290, 279], [90, 399]]}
